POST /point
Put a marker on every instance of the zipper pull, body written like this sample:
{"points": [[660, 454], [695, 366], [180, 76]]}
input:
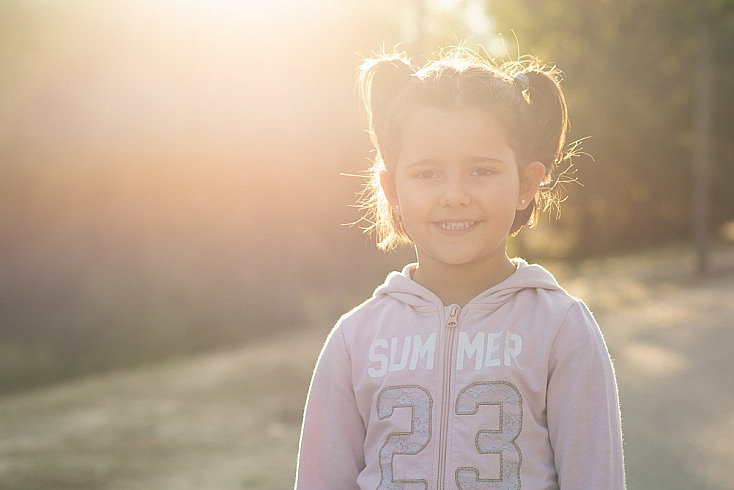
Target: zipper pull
{"points": [[453, 319]]}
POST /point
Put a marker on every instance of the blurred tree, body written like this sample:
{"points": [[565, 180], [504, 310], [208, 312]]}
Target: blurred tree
{"points": [[171, 170], [703, 100], [630, 68]]}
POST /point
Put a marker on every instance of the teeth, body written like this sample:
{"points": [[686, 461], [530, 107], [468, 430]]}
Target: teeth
{"points": [[456, 225]]}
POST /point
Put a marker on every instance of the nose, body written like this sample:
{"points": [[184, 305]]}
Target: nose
{"points": [[454, 193]]}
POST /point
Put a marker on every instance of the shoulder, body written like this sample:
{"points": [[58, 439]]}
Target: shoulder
{"points": [[567, 314], [538, 284], [367, 307], [578, 332], [369, 311], [551, 303]]}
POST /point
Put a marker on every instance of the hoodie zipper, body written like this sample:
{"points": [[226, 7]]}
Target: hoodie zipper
{"points": [[451, 324]]}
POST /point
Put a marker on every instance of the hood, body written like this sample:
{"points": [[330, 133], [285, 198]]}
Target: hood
{"points": [[403, 288]]}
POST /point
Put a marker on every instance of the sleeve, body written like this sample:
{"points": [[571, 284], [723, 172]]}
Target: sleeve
{"points": [[582, 406], [331, 453]]}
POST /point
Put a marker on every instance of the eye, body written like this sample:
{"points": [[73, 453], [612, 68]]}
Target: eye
{"points": [[426, 174], [482, 171]]}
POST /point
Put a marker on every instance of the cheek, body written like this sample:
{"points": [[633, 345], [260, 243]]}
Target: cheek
{"points": [[502, 191], [412, 211], [415, 210], [411, 195]]}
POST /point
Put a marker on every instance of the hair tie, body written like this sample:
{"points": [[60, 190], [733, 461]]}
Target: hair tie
{"points": [[523, 80]]}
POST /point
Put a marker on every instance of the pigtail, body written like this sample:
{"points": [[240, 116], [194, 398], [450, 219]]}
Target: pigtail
{"points": [[548, 117], [381, 80], [544, 136]]}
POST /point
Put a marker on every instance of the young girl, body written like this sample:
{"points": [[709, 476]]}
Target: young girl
{"points": [[468, 369]]}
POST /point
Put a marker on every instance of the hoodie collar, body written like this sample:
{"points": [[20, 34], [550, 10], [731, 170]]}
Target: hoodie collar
{"points": [[402, 287]]}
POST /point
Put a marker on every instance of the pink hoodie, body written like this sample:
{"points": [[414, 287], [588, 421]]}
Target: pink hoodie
{"points": [[515, 389]]}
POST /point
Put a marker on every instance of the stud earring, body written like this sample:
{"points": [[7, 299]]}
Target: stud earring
{"points": [[522, 202], [397, 208]]}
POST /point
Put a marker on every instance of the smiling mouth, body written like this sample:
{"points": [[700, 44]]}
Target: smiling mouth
{"points": [[455, 225]]}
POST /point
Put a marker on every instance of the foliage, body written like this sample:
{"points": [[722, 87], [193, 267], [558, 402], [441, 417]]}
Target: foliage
{"points": [[630, 69], [172, 172]]}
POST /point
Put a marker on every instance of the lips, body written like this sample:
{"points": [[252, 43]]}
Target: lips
{"points": [[456, 225]]}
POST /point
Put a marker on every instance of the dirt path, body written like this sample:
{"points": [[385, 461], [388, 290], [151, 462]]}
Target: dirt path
{"points": [[231, 420], [222, 421], [672, 338]]}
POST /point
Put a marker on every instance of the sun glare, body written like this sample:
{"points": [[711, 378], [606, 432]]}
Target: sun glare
{"points": [[228, 10]]}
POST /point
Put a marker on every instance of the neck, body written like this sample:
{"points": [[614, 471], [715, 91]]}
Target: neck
{"points": [[458, 284]]}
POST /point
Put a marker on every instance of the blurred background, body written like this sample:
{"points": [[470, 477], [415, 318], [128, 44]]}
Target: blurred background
{"points": [[175, 174]]}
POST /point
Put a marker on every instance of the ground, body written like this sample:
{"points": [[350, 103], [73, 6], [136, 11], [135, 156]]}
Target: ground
{"points": [[230, 420]]}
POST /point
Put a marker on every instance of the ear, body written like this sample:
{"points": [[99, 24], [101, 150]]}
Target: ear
{"points": [[387, 182], [531, 176]]}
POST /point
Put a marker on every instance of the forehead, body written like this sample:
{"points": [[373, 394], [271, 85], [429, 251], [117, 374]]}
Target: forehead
{"points": [[445, 133]]}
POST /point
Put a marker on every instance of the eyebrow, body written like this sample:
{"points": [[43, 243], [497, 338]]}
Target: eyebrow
{"points": [[474, 159], [422, 162], [484, 158]]}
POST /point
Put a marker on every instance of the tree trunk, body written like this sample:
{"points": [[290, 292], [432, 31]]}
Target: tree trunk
{"points": [[702, 163]]}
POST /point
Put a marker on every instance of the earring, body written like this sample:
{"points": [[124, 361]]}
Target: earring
{"points": [[522, 202], [397, 209]]}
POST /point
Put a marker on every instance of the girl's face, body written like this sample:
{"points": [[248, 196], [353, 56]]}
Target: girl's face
{"points": [[457, 186]]}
